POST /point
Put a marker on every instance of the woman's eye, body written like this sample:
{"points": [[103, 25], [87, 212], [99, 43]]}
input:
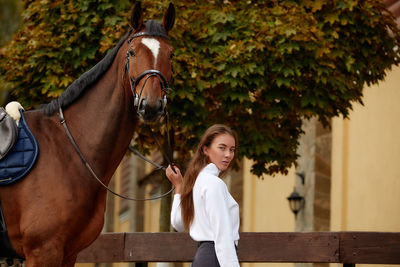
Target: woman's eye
{"points": [[222, 148]]}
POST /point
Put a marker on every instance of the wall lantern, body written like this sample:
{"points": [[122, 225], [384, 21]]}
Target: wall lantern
{"points": [[296, 201]]}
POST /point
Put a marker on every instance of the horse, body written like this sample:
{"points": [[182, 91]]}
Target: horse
{"points": [[57, 209]]}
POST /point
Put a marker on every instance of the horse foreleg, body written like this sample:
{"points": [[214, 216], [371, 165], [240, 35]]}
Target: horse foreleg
{"points": [[42, 261], [70, 262], [46, 256]]}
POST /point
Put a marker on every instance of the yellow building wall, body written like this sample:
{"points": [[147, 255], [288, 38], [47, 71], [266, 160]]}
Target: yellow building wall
{"points": [[365, 162], [265, 207], [121, 224], [151, 213]]}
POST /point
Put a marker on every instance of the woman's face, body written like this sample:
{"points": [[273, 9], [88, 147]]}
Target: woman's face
{"points": [[221, 151]]}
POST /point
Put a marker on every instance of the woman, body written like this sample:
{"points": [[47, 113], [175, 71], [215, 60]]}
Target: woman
{"points": [[202, 204]]}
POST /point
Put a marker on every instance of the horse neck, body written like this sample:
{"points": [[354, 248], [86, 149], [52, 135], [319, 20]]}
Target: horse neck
{"points": [[102, 122]]}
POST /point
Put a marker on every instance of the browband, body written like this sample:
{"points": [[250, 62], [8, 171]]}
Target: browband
{"points": [[139, 34]]}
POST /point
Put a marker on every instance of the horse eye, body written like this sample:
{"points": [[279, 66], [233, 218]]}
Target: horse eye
{"points": [[171, 55], [132, 53]]}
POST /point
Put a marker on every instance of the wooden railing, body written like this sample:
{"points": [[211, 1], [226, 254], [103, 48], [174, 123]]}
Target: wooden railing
{"points": [[348, 248]]}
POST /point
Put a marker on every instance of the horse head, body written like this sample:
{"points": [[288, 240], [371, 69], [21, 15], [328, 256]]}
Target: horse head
{"points": [[148, 63]]}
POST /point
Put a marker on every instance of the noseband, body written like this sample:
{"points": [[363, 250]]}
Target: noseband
{"points": [[145, 75]]}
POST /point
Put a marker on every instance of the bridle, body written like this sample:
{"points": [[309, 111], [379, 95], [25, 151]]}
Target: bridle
{"points": [[164, 87], [133, 83], [145, 75]]}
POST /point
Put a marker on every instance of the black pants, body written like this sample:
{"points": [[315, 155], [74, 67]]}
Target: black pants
{"points": [[205, 255]]}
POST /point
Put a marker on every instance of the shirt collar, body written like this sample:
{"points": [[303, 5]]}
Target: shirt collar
{"points": [[212, 169]]}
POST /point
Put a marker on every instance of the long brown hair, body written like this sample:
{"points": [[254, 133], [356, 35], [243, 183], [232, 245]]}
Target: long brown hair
{"points": [[198, 162]]}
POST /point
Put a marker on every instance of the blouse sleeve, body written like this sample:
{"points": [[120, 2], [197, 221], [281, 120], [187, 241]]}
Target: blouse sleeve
{"points": [[176, 215], [216, 202]]}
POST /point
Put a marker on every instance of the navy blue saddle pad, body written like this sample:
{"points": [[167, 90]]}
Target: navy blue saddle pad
{"points": [[21, 157]]}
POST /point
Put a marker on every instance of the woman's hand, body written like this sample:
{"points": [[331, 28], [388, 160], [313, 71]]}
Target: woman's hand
{"points": [[175, 178]]}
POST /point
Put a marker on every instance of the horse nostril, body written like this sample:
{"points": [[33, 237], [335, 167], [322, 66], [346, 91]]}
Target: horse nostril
{"points": [[160, 106], [142, 105]]}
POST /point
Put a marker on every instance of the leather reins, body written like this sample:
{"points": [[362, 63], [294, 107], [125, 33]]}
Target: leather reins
{"points": [[133, 84], [94, 175]]}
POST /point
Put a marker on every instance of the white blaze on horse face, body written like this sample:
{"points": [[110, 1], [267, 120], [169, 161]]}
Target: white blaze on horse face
{"points": [[153, 45]]}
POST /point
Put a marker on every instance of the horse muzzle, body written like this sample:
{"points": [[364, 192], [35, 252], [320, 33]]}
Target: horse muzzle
{"points": [[151, 112], [150, 108]]}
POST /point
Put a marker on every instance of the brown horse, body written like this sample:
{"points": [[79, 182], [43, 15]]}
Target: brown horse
{"points": [[58, 208]]}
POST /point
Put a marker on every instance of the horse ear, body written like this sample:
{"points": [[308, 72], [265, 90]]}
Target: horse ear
{"points": [[137, 17], [169, 18]]}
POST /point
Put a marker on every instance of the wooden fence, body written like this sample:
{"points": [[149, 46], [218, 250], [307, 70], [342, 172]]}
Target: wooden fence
{"points": [[348, 248]]}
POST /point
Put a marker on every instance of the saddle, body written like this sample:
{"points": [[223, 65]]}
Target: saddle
{"points": [[8, 133], [21, 155]]}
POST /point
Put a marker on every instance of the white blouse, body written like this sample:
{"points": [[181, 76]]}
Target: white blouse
{"points": [[216, 215]]}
